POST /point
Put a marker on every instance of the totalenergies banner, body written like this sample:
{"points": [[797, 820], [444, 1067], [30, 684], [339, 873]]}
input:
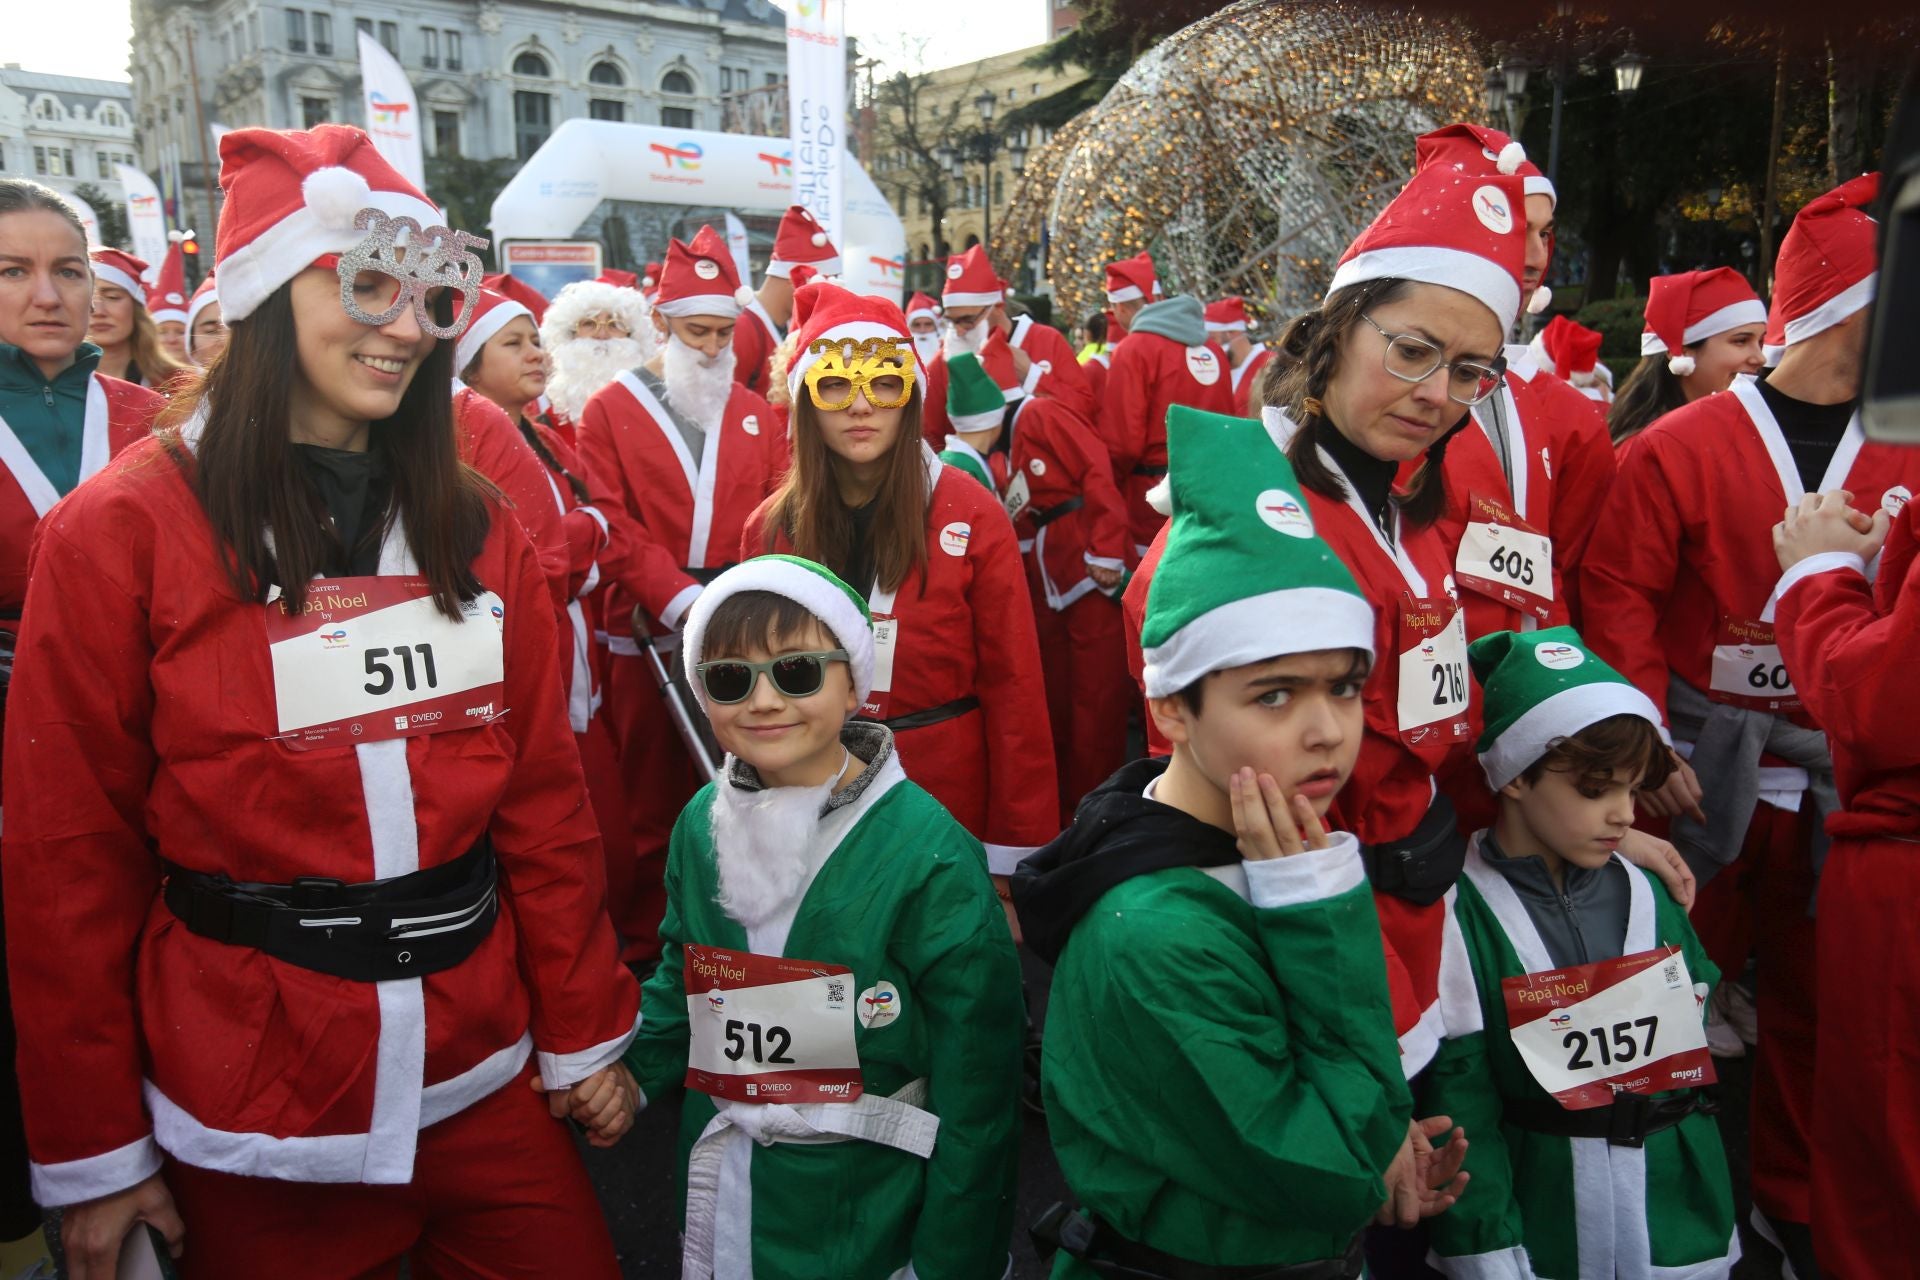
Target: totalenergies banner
{"points": [[393, 113], [146, 217], [817, 106]]}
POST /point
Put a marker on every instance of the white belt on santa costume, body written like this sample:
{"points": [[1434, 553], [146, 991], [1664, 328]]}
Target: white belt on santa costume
{"points": [[898, 1122]]}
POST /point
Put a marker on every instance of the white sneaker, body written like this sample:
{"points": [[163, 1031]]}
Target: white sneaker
{"points": [[1737, 1008], [1722, 1040]]}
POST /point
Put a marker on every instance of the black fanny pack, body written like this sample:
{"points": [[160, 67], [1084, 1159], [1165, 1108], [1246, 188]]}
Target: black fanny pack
{"points": [[1150, 471], [1420, 867], [404, 927], [1627, 1121], [1108, 1253]]}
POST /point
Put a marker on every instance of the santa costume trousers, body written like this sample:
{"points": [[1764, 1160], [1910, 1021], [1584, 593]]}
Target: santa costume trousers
{"points": [[1866, 1129], [1083, 659], [498, 1193], [1779, 883], [659, 778]]}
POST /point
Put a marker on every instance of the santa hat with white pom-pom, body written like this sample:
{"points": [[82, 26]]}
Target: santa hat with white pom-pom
{"points": [[292, 197], [1479, 151], [167, 295], [1686, 309], [802, 241], [699, 279]]}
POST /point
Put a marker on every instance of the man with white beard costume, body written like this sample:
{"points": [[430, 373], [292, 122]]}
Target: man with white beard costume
{"points": [[678, 455], [592, 332]]}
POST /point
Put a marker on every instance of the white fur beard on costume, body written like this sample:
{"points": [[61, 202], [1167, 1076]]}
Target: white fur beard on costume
{"points": [[697, 386], [763, 845], [968, 342], [928, 345], [581, 366]]}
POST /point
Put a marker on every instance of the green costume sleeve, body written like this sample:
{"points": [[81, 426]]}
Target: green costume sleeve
{"points": [[658, 1055], [1485, 1222], [968, 977]]}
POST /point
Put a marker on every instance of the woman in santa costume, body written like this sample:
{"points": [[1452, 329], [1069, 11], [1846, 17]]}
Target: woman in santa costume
{"points": [[678, 455], [60, 421], [1684, 608], [206, 331], [302, 816], [1703, 329], [120, 325], [958, 673]]}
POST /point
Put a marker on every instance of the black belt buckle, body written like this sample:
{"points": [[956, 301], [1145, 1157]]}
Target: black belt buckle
{"points": [[312, 893], [1627, 1121], [1059, 1227]]}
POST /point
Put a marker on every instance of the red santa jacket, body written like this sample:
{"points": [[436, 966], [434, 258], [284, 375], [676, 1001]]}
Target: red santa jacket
{"points": [[1246, 381], [544, 410], [492, 445], [1562, 464], [118, 414], [1852, 648], [222, 1056], [1690, 541], [1051, 460], [585, 530], [1055, 373], [755, 335], [1150, 374], [669, 511], [1094, 369], [966, 631]]}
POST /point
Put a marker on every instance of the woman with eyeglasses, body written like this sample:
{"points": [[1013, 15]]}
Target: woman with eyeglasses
{"points": [[957, 667], [294, 819]]}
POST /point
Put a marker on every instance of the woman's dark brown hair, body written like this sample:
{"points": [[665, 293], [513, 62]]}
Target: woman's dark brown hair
{"points": [[23, 195], [253, 487], [1303, 367], [575, 484], [808, 505], [1592, 755], [1650, 392]]}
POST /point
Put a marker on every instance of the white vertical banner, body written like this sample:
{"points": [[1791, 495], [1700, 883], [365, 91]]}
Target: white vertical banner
{"points": [[817, 107], [393, 114], [146, 216], [88, 218], [737, 241]]}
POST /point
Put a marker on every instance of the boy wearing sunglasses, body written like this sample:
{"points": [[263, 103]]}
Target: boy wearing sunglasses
{"points": [[837, 991]]}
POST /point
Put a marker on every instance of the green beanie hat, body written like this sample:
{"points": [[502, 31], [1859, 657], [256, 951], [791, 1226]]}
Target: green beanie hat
{"points": [[1243, 577], [974, 401], [1539, 687]]}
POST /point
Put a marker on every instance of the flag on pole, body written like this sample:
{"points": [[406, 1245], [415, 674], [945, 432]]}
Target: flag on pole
{"points": [[393, 113], [817, 106], [737, 241], [146, 219], [89, 220]]}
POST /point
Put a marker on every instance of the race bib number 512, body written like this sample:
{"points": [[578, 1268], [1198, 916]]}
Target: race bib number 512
{"points": [[769, 1029]]}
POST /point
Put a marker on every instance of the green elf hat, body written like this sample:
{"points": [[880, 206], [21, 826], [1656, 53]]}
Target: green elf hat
{"points": [[1542, 686], [974, 400], [814, 587], [1243, 577]]}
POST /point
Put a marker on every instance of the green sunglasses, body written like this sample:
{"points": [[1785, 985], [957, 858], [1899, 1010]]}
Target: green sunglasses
{"points": [[796, 675]]}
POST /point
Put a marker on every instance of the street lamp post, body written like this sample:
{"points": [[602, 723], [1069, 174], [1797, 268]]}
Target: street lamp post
{"points": [[982, 147]]}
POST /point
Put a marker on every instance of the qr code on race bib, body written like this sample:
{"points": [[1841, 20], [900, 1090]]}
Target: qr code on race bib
{"points": [[836, 993], [1671, 973]]}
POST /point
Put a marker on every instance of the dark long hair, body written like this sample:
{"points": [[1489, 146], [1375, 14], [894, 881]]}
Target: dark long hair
{"points": [[1309, 355], [252, 486], [808, 505], [530, 434], [1650, 392]]}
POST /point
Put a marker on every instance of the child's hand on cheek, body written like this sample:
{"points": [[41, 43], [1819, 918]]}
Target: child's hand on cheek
{"points": [[1270, 824]]}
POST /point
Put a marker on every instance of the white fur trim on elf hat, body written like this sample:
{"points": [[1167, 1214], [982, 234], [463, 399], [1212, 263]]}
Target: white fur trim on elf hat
{"points": [[107, 273], [811, 589], [1561, 716], [1291, 620], [498, 317]]}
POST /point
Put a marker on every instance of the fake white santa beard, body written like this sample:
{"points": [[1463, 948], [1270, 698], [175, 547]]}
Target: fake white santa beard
{"points": [[928, 345], [967, 342], [584, 365], [763, 845], [697, 386]]}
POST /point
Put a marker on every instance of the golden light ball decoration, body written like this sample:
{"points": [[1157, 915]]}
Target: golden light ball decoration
{"points": [[1244, 151]]}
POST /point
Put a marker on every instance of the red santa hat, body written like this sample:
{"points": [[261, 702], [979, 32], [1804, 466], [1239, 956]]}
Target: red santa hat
{"points": [[492, 313], [292, 196], [615, 276], [519, 290], [1477, 151], [699, 279], [1572, 349], [802, 274], [823, 310], [971, 281], [1693, 306], [801, 239], [1228, 315], [921, 305], [121, 269], [650, 278], [1828, 265], [203, 297], [167, 299], [1132, 279], [1460, 230], [996, 359]]}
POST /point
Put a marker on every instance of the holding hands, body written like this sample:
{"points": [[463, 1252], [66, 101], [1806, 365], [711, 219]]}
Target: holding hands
{"points": [[1825, 522], [603, 1104]]}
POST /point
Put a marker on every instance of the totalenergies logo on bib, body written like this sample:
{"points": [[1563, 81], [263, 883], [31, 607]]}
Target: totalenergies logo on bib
{"points": [[335, 638]]}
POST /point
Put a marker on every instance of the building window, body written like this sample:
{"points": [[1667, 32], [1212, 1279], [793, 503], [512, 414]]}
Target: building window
{"points": [[390, 37], [46, 109], [296, 31], [314, 111], [109, 117], [39, 159], [253, 32], [676, 82], [429, 47], [453, 50], [606, 73], [446, 133], [999, 188], [531, 65], [606, 109], [676, 117], [726, 79], [106, 162], [323, 34], [532, 116], [772, 79]]}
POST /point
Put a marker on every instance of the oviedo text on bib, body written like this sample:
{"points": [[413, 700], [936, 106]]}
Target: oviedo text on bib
{"points": [[1434, 683], [1627, 1025], [768, 1029], [1504, 557], [367, 659], [1748, 670]]}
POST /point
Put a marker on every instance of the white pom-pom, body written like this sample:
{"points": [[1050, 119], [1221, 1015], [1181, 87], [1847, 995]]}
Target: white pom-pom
{"points": [[1512, 156], [743, 295], [819, 239], [179, 237], [647, 282], [1160, 497], [335, 194], [1542, 299], [1680, 366]]}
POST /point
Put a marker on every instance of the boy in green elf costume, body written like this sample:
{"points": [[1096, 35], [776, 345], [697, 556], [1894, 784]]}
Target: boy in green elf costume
{"points": [[1580, 1074], [1222, 1081]]}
